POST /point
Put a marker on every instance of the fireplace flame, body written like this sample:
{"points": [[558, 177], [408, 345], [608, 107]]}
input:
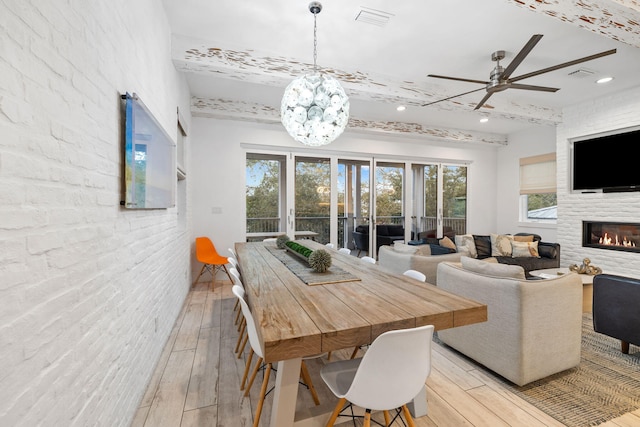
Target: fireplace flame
{"points": [[615, 241]]}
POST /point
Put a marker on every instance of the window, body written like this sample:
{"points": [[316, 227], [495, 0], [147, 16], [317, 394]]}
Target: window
{"points": [[538, 197], [264, 196]]}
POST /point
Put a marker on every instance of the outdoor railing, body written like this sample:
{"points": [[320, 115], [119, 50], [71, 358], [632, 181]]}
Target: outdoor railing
{"points": [[321, 225]]}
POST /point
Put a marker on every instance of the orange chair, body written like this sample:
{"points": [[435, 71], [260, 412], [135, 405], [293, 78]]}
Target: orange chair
{"points": [[211, 261]]}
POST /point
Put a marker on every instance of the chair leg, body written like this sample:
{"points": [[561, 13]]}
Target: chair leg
{"points": [[244, 344], [201, 271], [387, 418], [227, 271], [242, 321], [238, 314], [304, 373], [624, 347], [407, 416], [246, 369], [367, 418], [336, 412], [240, 337], [263, 393], [256, 368], [355, 352]]}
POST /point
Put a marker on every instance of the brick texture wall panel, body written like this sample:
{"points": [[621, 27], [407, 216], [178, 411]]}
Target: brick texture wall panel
{"points": [[602, 115], [85, 280]]}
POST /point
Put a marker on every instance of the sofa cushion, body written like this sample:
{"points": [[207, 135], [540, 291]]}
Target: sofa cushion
{"points": [[363, 229], [536, 237], [492, 269], [525, 249], [424, 250], [404, 248], [465, 245], [548, 250], [528, 238], [483, 246], [389, 230], [501, 244], [447, 243]]}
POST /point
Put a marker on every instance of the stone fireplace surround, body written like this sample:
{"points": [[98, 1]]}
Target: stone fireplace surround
{"points": [[619, 236]]}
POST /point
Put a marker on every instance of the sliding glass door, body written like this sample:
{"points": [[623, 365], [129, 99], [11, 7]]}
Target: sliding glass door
{"points": [[331, 200], [439, 200], [353, 204], [312, 201]]}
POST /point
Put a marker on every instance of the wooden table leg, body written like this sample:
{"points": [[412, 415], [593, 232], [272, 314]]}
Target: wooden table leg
{"points": [[285, 393]]}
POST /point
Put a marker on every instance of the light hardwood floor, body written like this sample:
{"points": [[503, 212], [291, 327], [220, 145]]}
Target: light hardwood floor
{"points": [[196, 381]]}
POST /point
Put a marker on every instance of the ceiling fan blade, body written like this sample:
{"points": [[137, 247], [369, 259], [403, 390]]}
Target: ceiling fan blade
{"points": [[458, 79], [520, 56], [451, 97], [563, 65], [481, 103], [532, 87]]}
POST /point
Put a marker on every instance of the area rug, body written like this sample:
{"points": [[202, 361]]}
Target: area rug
{"points": [[604, 386]]}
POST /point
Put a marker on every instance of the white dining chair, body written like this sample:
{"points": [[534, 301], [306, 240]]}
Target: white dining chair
{"points": [[416, 275], [239, 318], [368, 259], [345, 251], [330, 245], [254, 342], [233, 261], [389, 375], [233, 253]]}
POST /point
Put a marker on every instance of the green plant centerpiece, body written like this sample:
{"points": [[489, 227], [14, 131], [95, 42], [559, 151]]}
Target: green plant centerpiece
{"points": [[319, 260], [281, 240]]}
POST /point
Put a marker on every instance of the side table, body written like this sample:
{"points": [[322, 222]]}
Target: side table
{"points": [[587, 283]]}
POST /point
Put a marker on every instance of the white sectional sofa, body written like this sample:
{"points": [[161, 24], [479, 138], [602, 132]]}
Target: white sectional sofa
{"points": [[534, 327], [400, 258]]}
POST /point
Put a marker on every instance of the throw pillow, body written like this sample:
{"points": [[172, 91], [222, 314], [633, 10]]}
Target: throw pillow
{"points": [[403, 248], [441, 250], [483, 246], [492, 269], [465, 245], [525, 249], [501, 244], [528, 238], [447, 243]]}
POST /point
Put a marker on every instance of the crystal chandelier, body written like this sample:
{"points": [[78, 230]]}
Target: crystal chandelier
{"points": [[315, 108]]}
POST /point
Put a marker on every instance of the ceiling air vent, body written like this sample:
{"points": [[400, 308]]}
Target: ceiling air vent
{"points": [[581, 72], [373, 16]]}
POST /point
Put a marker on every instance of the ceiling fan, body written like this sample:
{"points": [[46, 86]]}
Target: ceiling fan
{"points": [[500, 78]]}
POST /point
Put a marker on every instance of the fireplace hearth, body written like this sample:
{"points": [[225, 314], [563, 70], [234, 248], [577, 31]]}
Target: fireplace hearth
{"points": [[617, 236]]}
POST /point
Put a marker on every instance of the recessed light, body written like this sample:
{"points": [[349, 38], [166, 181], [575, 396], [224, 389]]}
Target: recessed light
{"points": [[401, 108], [484, 120], [604, 80]]}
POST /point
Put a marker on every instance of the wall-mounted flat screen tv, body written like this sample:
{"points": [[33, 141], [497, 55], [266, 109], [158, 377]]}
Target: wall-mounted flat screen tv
{"points": [[605, 162], [150, 159]]}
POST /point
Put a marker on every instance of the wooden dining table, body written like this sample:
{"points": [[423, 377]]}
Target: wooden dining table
{"points": [[296, 320]]}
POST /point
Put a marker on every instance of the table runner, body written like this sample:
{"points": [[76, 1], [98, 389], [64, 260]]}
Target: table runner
{"points": [[306, 274]]}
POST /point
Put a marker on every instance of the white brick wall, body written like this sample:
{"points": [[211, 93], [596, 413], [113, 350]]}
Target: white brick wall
{"points": [[604, 114], [82, 281]]}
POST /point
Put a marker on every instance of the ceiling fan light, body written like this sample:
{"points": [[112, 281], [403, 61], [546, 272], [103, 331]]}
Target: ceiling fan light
{"points": [[604, 80], [484, 120]]}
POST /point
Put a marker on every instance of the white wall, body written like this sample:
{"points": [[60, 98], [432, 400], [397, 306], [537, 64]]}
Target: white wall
{"points": [[531, 142], [218, 166], [89, 291], [604, 114]]}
